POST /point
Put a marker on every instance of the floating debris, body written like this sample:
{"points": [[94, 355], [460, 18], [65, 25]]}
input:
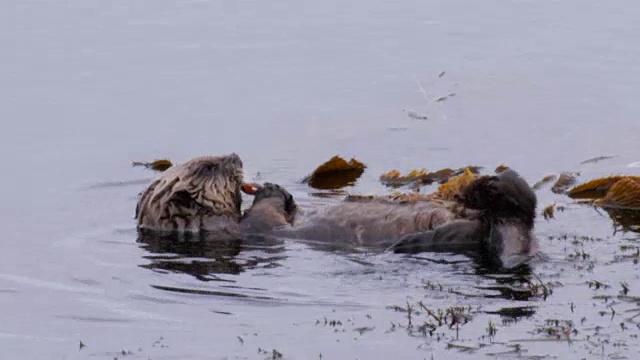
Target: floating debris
{"points": [[444, 98], [335, 173], [545, 180], [596, 159], [548, 212], [415, 116], [565, 180], [156, 165]]}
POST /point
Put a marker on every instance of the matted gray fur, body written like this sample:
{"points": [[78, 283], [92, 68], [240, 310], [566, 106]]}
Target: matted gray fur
{"points": [[202, 194]]}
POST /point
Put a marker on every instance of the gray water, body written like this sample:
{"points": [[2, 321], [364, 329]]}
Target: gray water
{"points": [[89, 86]]}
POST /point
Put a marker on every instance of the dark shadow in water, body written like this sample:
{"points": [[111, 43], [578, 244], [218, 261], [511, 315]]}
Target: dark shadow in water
{"points": [[208, 292], [204, 257], [518, 283], [514, 313], [329, 194]]}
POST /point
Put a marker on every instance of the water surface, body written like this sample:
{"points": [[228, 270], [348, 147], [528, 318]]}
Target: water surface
{"points": [[90, 86]]}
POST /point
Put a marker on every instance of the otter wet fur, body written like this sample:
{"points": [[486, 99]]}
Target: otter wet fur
{"points": [[503, 233], [491, 220], [202, 194], [369, 222]]}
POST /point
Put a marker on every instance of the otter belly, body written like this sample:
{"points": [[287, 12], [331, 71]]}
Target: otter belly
{"points": [[367, 223]]}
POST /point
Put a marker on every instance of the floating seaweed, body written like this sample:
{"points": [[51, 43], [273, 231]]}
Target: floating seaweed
{"points": [[395, 179], [545, 180], [156, 165], [422, 177], [597, 188], [548, 212], [473, 168], [619, 196], [565, 180], [335, 173], [624, 194], [456, 185], [625, 219]]}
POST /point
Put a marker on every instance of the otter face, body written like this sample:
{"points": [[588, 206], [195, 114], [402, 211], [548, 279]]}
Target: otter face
{"points": [[508, 208], [193, 195]]}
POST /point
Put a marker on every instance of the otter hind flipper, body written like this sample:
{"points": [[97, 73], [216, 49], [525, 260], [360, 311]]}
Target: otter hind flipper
{"points": [[455, 236]]}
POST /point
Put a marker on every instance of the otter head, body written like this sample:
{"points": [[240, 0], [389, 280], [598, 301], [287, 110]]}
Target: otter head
{"points": [[508, 207], [505, 196], [192, 195], [272, 206]]}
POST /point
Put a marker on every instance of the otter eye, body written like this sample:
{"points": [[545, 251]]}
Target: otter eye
{"points": [[209, 168]]}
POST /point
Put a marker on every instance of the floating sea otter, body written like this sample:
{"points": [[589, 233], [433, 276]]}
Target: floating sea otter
{"points": [[494, 215]]}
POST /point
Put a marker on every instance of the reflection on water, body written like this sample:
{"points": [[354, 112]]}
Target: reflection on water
{"points": [[209, 260], [205, 258]]}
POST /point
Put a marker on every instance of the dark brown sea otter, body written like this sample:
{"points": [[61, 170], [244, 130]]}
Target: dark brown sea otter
{"points": [[503, 232], [493, 217], [202, 194]]}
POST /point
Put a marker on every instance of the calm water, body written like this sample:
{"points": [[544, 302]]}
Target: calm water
{"points": [[89, 86]]}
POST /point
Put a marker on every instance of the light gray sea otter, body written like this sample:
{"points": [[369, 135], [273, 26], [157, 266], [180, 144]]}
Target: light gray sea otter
{"points": [[200, 195], [493, 218]]}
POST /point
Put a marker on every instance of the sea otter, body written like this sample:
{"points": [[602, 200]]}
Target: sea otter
{"points": [[502, 234], [493, 217], [200, 195]]}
